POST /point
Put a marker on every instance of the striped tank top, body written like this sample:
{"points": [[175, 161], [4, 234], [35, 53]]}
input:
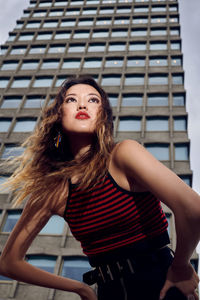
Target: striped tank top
{"points": [[107, 216]]}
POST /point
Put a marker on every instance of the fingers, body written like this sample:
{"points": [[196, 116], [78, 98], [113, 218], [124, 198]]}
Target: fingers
{"points": [[164, 290]]}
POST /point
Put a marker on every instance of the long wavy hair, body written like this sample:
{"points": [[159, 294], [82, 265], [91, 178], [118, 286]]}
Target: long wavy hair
{"points": [[43, 170]]}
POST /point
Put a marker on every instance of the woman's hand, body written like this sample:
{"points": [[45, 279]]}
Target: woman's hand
{"points": [[184, 278], [87, 293]]}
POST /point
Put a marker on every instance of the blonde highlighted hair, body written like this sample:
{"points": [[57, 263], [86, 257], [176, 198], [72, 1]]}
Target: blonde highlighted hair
{"points": [[43, 170]]}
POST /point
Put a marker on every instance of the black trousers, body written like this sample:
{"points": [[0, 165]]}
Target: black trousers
{"points": [[145, 284]]}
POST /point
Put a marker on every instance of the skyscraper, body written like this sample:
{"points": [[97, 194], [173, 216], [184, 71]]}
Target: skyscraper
{"points": [[133, 49]]}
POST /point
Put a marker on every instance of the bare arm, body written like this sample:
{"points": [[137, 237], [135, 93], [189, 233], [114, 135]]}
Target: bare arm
{"points": [[12, 263], [138, 164]]}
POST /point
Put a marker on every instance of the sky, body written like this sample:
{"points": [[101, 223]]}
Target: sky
{"points": [[11, 10]]}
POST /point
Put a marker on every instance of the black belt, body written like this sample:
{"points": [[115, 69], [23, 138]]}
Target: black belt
{"points": [[124, 266]]}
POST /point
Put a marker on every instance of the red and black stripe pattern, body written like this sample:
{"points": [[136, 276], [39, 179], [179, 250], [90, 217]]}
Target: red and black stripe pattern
{"points": [[108, 217]]}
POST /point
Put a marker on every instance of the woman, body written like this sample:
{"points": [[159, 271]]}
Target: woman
{"points": [[112, 205]]}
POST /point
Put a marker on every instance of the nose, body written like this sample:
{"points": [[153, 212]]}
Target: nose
{"points": [[82, 105]]}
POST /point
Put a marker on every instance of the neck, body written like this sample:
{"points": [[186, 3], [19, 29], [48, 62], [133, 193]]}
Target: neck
{"points": [[79, 144]]}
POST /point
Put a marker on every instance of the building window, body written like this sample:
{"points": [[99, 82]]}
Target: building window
{"points": [[121, 21], [141, 9], [157, 123], [44, 36], [175, 45], [50, 24], [76, 48], [62, 35], [56, 48], [158, 61], [72, 63], [89, 11], [134, 79], [113, 99], [3, 190], [11, 150], [158, 79], [140, 20], [75, 267], [9, 65], [124, 10], [11, 101], [21, 82], [106, 10], [4, 124], [92, 62], [129, 124], [60, 3], [19, 25], [139, 32], [176, 61], [132, 99], [29, 65], [33, 24], [60, 80], [111, 80], [187, 179], [137, 46], [81, 34], [11, 37], [173, 19], [96, 47], [114, 62], [4, 82], [136, 62], [117, 47], [11, 220], [92, 2], [157, 100], [158, 19], [76, 2], [86, 22], [158, 31], [68, 23], [72, 12], [158, 8], [100, 33], [178, 99], [44, 4], [55, 13], [3, 50], [26, 36], [34, 102], [39, 14], [43, 81], [26, 13], [180, 123], [25, 125], [158, 45], [174, 31], [181, 152], [103, 21], [55, 225], [50, 64], [160, 151], [173, 8], [119, 32], [39, 49], [177, 78], [44, 262]]}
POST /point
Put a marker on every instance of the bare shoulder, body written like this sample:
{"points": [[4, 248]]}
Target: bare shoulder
{"points": [[127, 150]]}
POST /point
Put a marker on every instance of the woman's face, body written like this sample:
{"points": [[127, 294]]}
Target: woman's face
{"points": [[80, 109]]}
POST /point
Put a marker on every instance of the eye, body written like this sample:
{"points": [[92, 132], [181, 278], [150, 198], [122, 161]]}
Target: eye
{"points": [[94, 100], [70, 99]]}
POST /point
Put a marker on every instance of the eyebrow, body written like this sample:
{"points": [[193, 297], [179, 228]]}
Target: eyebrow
{"points": [[91, 94]]}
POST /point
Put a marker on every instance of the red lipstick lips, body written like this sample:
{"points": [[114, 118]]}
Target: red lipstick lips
{"points": [[82, 115]]}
